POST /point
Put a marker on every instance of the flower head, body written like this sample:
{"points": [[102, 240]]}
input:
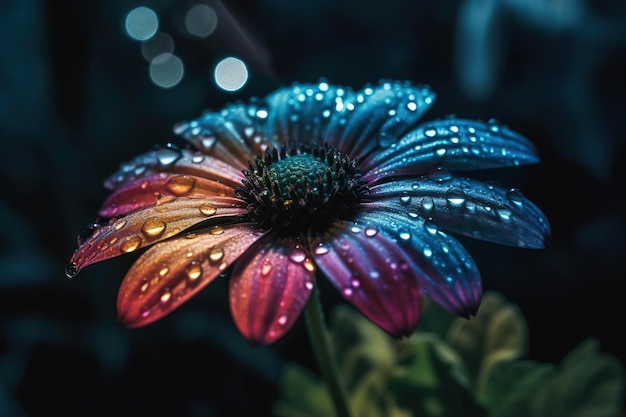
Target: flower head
{"points": [[313, 180]]}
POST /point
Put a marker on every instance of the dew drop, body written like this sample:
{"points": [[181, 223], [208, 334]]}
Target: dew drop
{"points": [[347, 292], [297, 255], [405, 198], [144, 287], [153, 227], [441, 151], [321, 249], [87, 233], [308, 265], [145, 312], [430, 132], [427, 251], [196, 159], [404, 235], [356, 283], [71, 270], [504, 214], [282, 320], [515, 196], [216, 254], [455, 196], [164, 270], [167, 156], [119, 224], [374, 274], [309, 285], [370, 231], [208, 209], [431, 226], [194, 271], [216, 230], [266, 268], [166, 297], [180, 184], [130, 244], [427, 203], [208, 141]]}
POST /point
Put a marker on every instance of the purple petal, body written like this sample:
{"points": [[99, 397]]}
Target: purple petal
{"points": [[372, 272], [468, 207], [454, 144], [269, 287], [171, 272]]}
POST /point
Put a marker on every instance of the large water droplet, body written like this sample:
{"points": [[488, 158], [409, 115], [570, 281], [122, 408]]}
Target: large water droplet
{"points": [[180, 184], [167, 156], [455, 196], [153, 227], [431, 226], [515, 196], [208, 209], [216, 254], [194, 271], [130, 244]]}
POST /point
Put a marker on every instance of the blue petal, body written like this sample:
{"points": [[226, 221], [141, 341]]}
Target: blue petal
{"points": [[378, 116], [454, 144], [468, 207], [445, 270]]}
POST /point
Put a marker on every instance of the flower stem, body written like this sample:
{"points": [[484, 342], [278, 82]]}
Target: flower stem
{"points": [[323, 353]]}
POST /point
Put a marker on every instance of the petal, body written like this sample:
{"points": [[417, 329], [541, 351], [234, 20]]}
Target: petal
{"points": [[269, 287], [176, 161], [454, 144], [234, 135], [378, 116], [172, 272], [143, 228], [147, 191], [468, 207], [372, 272]]}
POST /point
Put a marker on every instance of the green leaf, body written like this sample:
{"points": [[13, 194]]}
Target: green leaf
{"points": [[497, 334], [588, 383], [303, 394]]}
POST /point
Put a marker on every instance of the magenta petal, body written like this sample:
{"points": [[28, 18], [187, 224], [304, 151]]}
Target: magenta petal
{"points": [[269, 287], [372, 272]]}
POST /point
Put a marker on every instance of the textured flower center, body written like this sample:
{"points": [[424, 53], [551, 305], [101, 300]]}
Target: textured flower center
{"points": [[301, 187]]}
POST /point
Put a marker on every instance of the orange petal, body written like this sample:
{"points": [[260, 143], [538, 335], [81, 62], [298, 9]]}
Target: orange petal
{"points": [[172, 272]]}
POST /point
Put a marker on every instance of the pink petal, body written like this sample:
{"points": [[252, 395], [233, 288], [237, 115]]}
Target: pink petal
{"points": [[172, 272], [269, 287], [147, 191], [143, 228], [372, 272]]}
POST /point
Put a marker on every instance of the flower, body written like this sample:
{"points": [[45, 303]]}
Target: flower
{"points": [[313, 180]]}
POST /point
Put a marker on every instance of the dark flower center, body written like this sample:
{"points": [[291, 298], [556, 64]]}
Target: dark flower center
{"points": [[302, 186]]}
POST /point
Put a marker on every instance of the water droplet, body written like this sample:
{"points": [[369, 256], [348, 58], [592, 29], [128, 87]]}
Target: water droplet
{"points": [[454, 129], [427, 251], [167, 156], [216, 230], [208, 141], [145, 312], [504, 214], [515, 196], [196, 159], [355, 229], [71, 270], [321, 249], [194, 271], [430, 132], [297, 255], [119, 224], [455, 196], [431, 226], [309, 285], [405, 198], [411, 106], [356, 283], [427, 203], [374, 274], [308, 265], [87, 233], [166, 297], [404, 235], [347, 292], [370, 231], [266, 268], [130, 244], [179, 128], [164, 270], [153, 227], [282, 320], [180, 185], [208, 209], [216, 254], [145, 285], [441, 151]]}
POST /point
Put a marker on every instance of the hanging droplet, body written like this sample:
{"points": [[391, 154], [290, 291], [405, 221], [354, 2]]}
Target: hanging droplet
{"points": [[130, 244], [153, 227], [180, 185], [456, 196], [208, 209], [216, 254], [71, 270]]}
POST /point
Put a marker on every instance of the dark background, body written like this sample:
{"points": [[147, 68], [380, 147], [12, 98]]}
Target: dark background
{"points": [[76, 101]]}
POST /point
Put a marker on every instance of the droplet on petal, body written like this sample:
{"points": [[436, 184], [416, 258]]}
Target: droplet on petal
{"points": [[153, 227], [216, 254], [455, 196], [297, 255], [180, 185], [208, 209], [515, 196], [131, 244], [194, 271]]}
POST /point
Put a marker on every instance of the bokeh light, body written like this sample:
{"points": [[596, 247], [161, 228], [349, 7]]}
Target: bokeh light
{"points": [[166, 70], [200, 20], [231, 74], [141, 23], [160, 43]]}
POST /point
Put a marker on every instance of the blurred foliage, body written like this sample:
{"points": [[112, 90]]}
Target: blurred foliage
{"points": [[476, 369]]}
